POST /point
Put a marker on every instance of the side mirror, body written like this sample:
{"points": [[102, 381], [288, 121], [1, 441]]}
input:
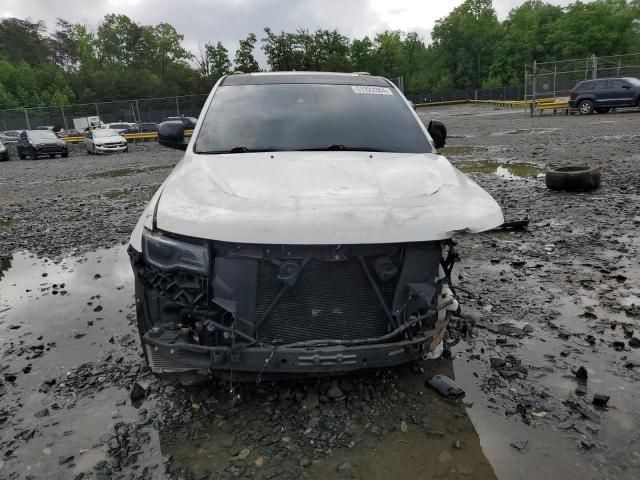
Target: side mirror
{"points": [[171, 135], [438, 133]]}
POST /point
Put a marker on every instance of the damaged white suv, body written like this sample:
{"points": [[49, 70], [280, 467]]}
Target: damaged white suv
{"points": [[306, 230]]}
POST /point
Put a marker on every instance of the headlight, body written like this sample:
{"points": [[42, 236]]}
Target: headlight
{"points": [[170, 254], [2, 148]]}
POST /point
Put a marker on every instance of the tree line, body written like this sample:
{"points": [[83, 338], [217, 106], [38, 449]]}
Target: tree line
{"points": [[469, 48]]}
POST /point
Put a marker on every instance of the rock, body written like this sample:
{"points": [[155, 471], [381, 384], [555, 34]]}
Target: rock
{"points": [[444, 456], [404, 427], [345, 470], [600, 400], [310, 401], [113, 443], [445, 386], [42, 413], [98, 308], [618, 346], [581, 374], [259, 461], [458, 445], [304, 462], [520, 445], [137, 392], [581, 389], [497, 362], [334, 392], [65, 459], [634, 342], [244, 453]]}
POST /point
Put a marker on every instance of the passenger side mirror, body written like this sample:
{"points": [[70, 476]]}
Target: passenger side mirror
{"points": [[171, 135], [438, 133]]}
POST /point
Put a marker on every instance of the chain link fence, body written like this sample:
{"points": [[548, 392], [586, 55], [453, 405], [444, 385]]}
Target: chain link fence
{"points": [[512, 92], [74, 116], [557, 79]]}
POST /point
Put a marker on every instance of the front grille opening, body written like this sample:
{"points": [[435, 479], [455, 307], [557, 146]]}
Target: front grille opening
{"points": [[329, 300]]}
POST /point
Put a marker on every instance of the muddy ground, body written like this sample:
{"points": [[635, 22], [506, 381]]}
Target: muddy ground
{"points": [[69, 354]]}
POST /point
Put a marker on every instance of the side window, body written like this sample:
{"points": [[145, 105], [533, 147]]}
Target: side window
{"points": [[601, 85], [616, 84], [585, 86]]}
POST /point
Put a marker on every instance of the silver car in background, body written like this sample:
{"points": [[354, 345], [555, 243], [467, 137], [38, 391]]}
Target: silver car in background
{"points": [[105, 141]]}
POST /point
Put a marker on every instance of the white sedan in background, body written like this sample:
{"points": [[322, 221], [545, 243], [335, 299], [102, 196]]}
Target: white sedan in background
{"points": [[105, 141]]}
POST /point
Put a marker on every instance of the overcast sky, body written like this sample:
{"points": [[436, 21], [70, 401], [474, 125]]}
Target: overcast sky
{"points": [[202, 21]]}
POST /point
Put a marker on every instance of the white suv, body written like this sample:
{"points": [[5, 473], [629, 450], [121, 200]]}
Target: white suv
{"points": [[305, 231]]}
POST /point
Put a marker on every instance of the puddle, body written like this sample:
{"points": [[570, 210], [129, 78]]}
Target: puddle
{"points": [[509, 171], [436, 440]]}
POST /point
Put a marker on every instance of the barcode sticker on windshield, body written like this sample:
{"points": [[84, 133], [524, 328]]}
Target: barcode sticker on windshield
{"points": [[371, 90]]}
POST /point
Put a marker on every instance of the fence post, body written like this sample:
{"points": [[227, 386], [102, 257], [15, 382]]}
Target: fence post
{"points": [[177, 107], [138, 110], [555, 73], [98, 115], [533, 98], [594, 67], [64, 119], [26, 115]]}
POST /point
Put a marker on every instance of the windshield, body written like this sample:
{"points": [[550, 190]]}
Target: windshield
{"points": [[42, 135], [105, 132], [247, 118]]}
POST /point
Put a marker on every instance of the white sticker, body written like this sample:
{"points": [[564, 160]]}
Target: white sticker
{"points": [[371, 90]]}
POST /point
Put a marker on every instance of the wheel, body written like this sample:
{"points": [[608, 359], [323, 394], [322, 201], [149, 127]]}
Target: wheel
{"points": [[573, 179], [126, 150], [53, 155], [603, 110], [64, 154], [21, 155], [32, 154], [585, 107]]}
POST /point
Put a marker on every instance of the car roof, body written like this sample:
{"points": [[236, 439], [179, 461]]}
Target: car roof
{"points": [[328, 78]]}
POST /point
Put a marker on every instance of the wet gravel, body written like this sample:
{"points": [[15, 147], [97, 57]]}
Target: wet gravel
{"points": [[551, 317]]}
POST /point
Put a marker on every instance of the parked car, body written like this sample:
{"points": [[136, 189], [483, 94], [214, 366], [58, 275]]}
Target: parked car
{"points": [[105, 140], [311, 236], [604, 94], [4, 153], [188, 122], [40, 143], [72, 132], [120, 127], [147, 127], [10, 136]]}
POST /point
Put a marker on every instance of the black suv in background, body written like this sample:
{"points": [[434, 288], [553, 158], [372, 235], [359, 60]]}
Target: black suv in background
{"points": [[605, 93], [40, 143]]}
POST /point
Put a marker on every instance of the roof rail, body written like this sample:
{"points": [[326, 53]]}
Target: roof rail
{"points": [[361, 73]]}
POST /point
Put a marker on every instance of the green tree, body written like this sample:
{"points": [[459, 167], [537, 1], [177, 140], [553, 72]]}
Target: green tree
{"points": [[23, 40], [244, 60], [218, 57], [466, 40], [603, 27]]}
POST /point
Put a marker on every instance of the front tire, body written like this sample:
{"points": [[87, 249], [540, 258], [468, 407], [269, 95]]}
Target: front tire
{"points": [[64, 154], [603, 110], [32, 154], [585, 107]]}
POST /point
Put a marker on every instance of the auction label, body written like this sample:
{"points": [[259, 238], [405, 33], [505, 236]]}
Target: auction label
{"points": [[371, 90]]}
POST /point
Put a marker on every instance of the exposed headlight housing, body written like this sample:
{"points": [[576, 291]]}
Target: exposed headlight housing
{"points": [[170, 254]]}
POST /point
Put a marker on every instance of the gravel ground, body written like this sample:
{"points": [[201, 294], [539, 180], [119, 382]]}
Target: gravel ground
{"points": [[76, 401]]}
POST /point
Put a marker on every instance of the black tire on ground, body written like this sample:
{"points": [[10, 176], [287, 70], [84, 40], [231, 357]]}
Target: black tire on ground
{"points": [[21, 156], [585, 107], [32, 154], [53, 155], [573, 179], [603, 110], [64, 154]]}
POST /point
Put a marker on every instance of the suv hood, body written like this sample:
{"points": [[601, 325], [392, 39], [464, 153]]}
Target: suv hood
{"points": [[321, 198]]}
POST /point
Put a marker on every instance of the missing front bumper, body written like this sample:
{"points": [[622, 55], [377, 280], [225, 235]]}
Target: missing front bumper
{"points": [[171, 352]]}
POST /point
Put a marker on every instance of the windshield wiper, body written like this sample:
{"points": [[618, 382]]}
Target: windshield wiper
{"points": [[239, 149], [337, 146]]}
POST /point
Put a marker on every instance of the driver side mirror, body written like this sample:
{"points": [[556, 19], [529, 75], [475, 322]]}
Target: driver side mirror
{"points": [[438, 133], [171, 135]]}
